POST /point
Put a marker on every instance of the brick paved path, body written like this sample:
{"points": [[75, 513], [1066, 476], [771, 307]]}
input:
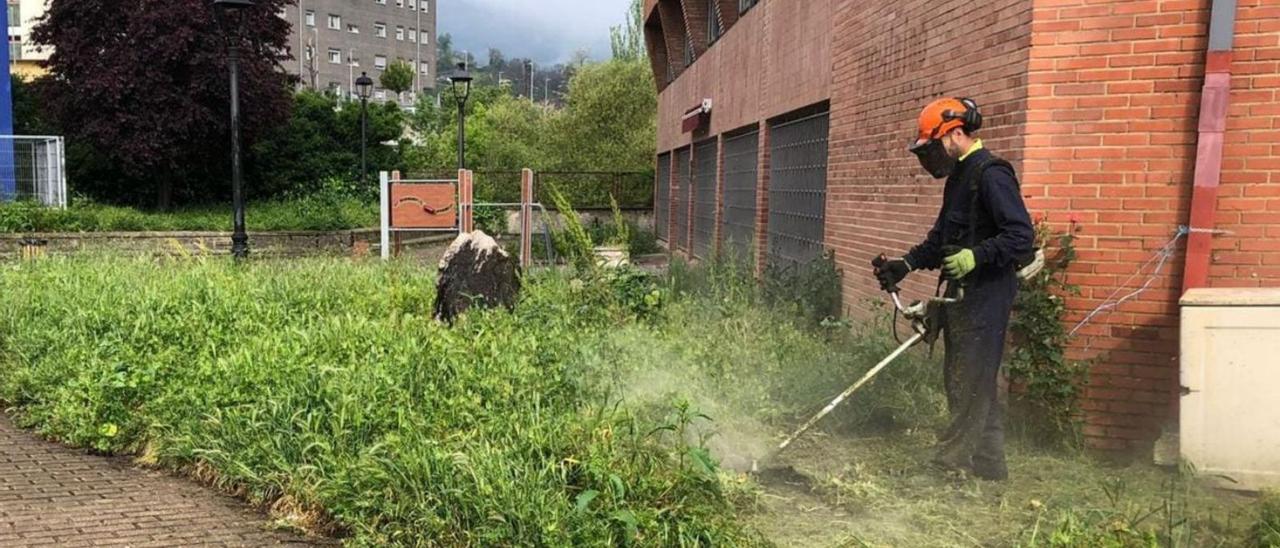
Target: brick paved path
{"points": [[51, 495]]}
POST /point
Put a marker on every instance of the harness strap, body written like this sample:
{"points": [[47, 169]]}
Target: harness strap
{"points": [[975, 189]]}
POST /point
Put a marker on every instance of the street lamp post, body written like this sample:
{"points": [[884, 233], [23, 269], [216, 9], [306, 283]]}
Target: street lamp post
{"points": [[364, 86], [461, 81], [230, 14]]}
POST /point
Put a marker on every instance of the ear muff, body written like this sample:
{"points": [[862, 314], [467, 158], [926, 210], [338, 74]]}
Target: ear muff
{"points": [[971, 117]]}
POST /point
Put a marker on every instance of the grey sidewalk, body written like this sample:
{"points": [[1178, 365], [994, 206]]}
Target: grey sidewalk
{"points": [[52, 495]]}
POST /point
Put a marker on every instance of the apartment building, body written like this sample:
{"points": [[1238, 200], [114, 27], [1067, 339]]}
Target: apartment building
{"points": [[25, 58], [783, 127], [333, 41]]}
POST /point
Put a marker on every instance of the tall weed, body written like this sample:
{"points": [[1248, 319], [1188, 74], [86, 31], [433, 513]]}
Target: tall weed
{"points": [[327, 385]]}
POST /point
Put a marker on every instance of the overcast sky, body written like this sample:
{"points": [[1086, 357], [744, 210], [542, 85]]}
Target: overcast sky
{"points": [[549, 31]]}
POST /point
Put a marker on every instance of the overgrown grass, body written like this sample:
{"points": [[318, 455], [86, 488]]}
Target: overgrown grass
{"points": [[325, 385], [319, 212], [599, 412]]}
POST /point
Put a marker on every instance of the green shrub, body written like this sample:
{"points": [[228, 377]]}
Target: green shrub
{"points": [[1265, 532], [1046, 405], [813, 289], [573, 241], [321, 210], [642, 240]]}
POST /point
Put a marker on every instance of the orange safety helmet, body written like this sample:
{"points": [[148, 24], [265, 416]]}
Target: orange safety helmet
{"points": [[944, 115]]}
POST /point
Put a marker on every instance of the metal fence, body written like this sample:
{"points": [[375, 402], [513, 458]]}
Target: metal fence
{"points": [[680, 200], [705, 163], [797, 189], [33, 168], [584, 189], [741, 174], [662, 202]]}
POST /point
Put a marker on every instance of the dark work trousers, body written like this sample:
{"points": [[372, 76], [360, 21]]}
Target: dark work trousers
{"points": [[974, 333]]}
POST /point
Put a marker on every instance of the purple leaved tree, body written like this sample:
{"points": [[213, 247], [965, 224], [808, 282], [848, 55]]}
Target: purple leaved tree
{"points": [[145, 83]]}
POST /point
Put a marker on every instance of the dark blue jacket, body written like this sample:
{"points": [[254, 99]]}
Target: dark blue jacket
{"points": [[1004, 230]]}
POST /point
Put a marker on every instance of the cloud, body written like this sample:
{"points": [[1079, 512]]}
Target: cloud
{"points": [[548, 31]]}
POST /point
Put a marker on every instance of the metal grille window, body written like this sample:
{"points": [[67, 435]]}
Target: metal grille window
{"points": [[713, 20], [705, 163], [797, 189], [662, 198], [680, 200], [741, 164]]}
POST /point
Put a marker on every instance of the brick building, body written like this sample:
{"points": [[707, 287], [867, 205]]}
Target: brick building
{"points": [[333, 41], [783, 127]]}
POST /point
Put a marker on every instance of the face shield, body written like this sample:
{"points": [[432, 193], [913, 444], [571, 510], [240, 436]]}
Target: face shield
{"points": [[933, 157]]}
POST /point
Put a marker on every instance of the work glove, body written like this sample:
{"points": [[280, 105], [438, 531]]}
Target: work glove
{"points": [[960, 264], [890, 272]]}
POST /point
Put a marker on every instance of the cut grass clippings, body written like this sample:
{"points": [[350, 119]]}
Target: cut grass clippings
{"points": [[878, 491]]}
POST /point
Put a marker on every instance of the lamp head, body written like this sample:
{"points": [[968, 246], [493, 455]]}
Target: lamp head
{"points": [[461, 80], [364, 85]]}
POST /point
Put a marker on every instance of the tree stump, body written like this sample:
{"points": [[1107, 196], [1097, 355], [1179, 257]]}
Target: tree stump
{"points": [[475, 271]]}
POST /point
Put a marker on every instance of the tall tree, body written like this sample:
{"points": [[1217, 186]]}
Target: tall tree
{"points": [[628, 39], [398, 77], [608, 121], [321, 139], [145, 83], [444, 54]]}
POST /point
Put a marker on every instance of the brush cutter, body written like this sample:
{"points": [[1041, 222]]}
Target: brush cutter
{"points": [[924, 317]]}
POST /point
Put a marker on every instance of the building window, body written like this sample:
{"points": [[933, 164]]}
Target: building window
{"points": [[399, 3], [383, 2], [399, 33], [335, 22], [380, 29], [15, 14], [311, 18], [705, 164], [797, 190], [426, 38], [353, 29], [425, 68], [744, 5], [426, 6], [311, 52], [688, 51], [380, 61], [335, 56], [413, 34], [713, 21]]}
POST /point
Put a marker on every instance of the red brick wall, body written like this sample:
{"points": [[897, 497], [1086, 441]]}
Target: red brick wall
{"points": [[1249, 198], [775, 59], [1114, 91], [1096, 103], [890, 59]]}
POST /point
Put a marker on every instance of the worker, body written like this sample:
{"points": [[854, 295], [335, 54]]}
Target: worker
{"points": [[981, 237]]}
